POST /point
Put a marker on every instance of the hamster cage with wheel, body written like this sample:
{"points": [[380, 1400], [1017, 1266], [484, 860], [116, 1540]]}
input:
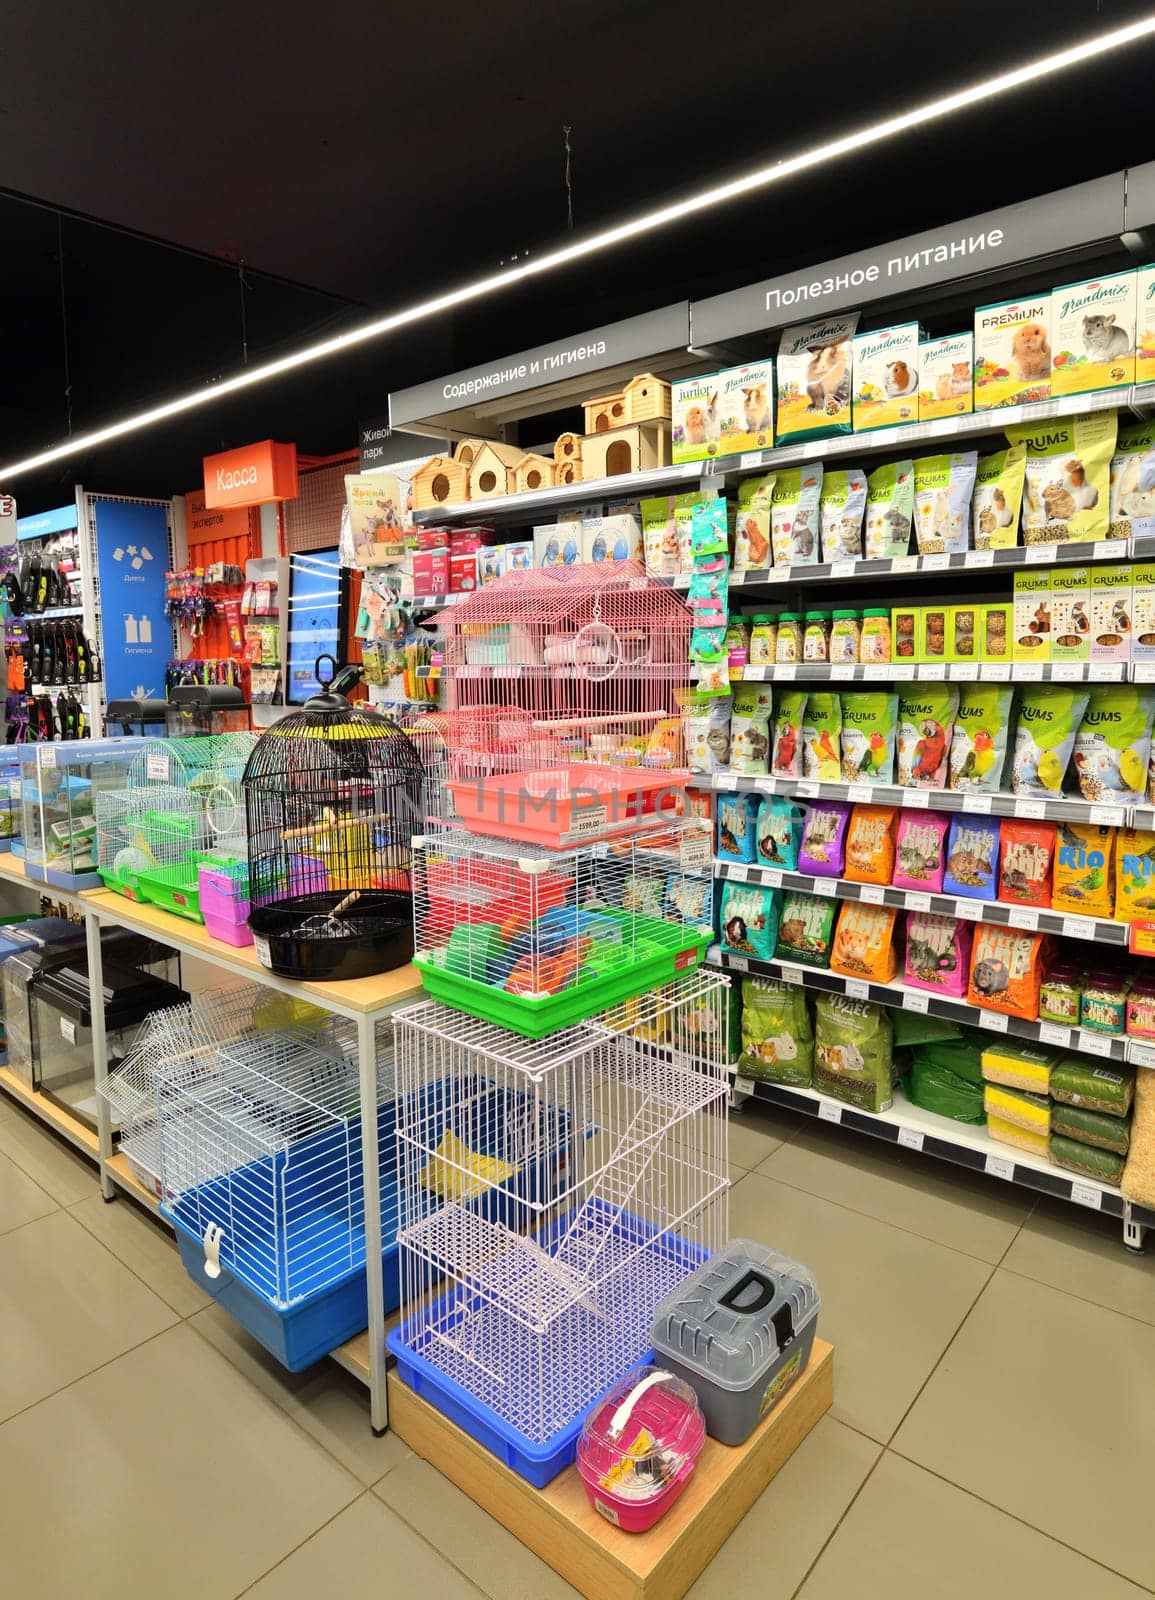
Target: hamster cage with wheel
{"points": [[547, 1302], [332, 795]]}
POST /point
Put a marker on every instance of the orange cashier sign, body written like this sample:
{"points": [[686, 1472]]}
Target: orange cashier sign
{"points": [[251, 476]]}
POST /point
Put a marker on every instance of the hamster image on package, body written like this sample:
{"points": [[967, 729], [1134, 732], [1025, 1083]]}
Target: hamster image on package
{"points": [[1031, 352], [756, 408], [902, 379], [956, 382]]}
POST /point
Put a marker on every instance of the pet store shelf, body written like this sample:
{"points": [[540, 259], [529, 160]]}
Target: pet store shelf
{"points": [[57, 1118], [1101, 930], [12, 869], [121, 1173], [952, 672], [1142, 817], [1112, 1047], [912, 1128], [526, 506], [891, 794]]}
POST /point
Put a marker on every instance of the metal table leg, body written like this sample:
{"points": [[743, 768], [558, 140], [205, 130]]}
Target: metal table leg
{"points": [[99, 1049], [374, 1271]]}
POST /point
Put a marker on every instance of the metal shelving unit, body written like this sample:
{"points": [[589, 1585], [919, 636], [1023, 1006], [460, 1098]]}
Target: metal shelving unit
{"points": [[952, 672]]}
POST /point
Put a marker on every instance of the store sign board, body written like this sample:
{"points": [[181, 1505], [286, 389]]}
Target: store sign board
{"points": [[1071, 217], [634, 339], [203, 523], [251, 476], [58, 521], [382, 446], [131, 557], [1141, 197], [8, 533]]}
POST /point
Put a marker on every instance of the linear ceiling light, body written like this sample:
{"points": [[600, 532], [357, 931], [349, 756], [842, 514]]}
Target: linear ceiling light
{"points": [[932, 111]]}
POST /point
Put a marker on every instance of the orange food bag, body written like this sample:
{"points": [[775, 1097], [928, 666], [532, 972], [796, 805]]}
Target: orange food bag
{"points": [[864, 942], [1007, 970], [870, 844]]}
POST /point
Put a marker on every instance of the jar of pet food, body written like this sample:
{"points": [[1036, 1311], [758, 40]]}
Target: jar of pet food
{"points": [[788, 646], [816, 637], [1061, 995], [737, 644], [763, 638], [844, 637], [1141, 1009], [1104, 1004], [874, 638]]}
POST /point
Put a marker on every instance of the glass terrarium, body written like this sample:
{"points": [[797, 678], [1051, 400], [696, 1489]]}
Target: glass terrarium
{"points": [[197, 710], [59, 785]]}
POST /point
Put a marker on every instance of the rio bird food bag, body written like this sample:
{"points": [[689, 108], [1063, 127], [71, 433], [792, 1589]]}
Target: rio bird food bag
{"points": [[926, 714], [1084, 871], [1049, 718], [864, 942], [937, 953], [1113, 743], [1134, 875], [1026, 859], [978, 751], [870, 844], [920, 851], [1007, 970], [815, 366], [1068, 477]]}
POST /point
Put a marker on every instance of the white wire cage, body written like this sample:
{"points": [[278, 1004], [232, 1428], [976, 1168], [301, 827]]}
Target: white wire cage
{"points": [[210, 769], [534, 939], [142, 831], [551, 1194]]}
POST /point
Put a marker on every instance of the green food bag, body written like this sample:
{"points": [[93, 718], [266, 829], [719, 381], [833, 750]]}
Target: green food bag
{"points": [[777, 1038], [978, 751], [938, 1089], [853, 1052]]}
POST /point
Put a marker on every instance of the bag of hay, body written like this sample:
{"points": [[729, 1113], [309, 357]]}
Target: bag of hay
{"points": [[853, 1052], [926, 713], [1138, 1180], [1134, 875], [1083, 880], [822, 738], [943, 486], [750, 729], [843, 508], [864, 942], [1048, 721], [794, 515], [1079, 1081], [1068, 477], [1091, 1127], [777, 1037], [1133, 481], [752, 522], [1113, 744], [869, 731], [982, 727], [748, 921], [889, 510], [814, 371], [1087, 1160], [778, 833], [787, 760], [999, 481]]}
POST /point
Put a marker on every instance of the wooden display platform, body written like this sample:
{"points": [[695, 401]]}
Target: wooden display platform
{"points": [[559, 1524], [72, 1128]]}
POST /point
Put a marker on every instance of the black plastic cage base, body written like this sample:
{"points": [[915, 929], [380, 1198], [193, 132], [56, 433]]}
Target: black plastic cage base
{"points": [[293, 939]]}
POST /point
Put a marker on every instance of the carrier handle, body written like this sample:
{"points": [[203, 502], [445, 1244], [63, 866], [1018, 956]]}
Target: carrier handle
{"points": [[622, 1415], [332, 660], [212, 1243], [767, 1286]]}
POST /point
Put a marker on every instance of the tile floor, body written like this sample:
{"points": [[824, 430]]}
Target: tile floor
{"points": [[993, 1430]]}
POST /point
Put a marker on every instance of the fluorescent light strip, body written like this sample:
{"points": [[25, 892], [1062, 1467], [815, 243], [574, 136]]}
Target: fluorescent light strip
{"points": [[932, 111]]}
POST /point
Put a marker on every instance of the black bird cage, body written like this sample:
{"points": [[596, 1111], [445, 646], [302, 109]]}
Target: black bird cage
{"points": [[331, 795]]}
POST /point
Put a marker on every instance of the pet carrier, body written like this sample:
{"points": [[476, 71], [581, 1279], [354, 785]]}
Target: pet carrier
{"points": [[534, 940], [549, 1298], [59, 787], [332, 793]]}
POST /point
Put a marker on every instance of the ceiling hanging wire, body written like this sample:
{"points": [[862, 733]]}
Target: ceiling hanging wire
{"points": [[566, 131], [64, 323], [242, 285]]}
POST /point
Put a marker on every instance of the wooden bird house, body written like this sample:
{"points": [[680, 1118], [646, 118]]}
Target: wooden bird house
{"points": [[532, 472], [439, 482], [607, 411], [647, 399], [636, 448], [465, 451], [568, 448], [567, 471], [490, 475]]}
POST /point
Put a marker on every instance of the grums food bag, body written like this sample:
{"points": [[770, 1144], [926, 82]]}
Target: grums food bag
{"points": [[750, 729], [926, 713], [978, 751], [843, 510], [889, 510], [1048, 720], [791, 708], [999, 481], [1113, 744], [795, 516], [869, 730], [943, 486], [822, 737], [1068, 477]]}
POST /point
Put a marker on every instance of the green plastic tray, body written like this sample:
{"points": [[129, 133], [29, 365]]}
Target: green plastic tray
{"points": [[175, 889], [660, 951]]}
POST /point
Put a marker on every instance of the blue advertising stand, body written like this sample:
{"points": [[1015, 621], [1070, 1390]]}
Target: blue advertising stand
{"points": [[131, 558]]}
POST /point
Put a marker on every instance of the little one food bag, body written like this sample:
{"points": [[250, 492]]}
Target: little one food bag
{"points": [[864, 942], [748, 920], [972, 858], [815, 361], [870, 844], [943, 486], [1068, 489], [778, 833], [823, 851], [937, 953], [921, 850], [1007, 970]]}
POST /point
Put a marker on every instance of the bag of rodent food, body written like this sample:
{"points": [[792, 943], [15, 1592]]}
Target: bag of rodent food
{"points": [[864, 942], [982, 727], [778, 833], [843, 508], [822, 737], [943, 486], [1133, 481], [920, 851], [813, 375], [752, 522], [1068, 477], [1113, 743], [869, 728], [972, 858], [853, 1052], [926, 713], [889, 510], [1083, 873], [748, 920], [823, 848], [937, 953], [1007, 970], [791, 708], [750, 729], [870, 844], [1026, 862], [806, 928], [795, 504], [999, 481], [706, 722], [1048, 720], [777, 1037]]}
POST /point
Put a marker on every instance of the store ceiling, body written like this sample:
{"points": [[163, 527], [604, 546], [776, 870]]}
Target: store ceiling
{"points": [[371, 156]]}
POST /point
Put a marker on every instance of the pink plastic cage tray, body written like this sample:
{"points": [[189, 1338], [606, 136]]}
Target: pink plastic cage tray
{"points": [[559, 806]]}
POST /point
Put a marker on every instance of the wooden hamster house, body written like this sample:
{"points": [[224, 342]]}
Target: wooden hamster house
{"points": [[532, 472], [647, 399], [605, 412], [439, 482], [637, 448], [490, 473], [466, 450]]}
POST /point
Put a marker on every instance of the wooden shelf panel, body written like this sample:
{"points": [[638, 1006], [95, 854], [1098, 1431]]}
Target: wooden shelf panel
{"points": [[72, 1128]]}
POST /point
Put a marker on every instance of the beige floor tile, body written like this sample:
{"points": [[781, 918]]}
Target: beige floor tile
{"points": [[976, 1215], [21, 1200], [145, 1246], [910, 1536], [807, 1497], [1045, 1406], [891, 1301], [66, 1307], [756, 1132], [468, 1536], [326, 1401], [366, 1553], [1084, 1253], [179, 1481], [48, 1160]]}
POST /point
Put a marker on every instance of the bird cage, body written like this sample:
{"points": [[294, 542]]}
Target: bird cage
{"points": [[534, 939], [332, 794], [548, 1301], [562, 664]]}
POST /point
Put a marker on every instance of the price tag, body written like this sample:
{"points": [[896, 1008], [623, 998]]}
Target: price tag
{"points": [[857, 989], [936, 563], [842, 669], [15, 787], [776, 575], [738, 577], [725, 781], [1083, 1195], [1141, 672], [932, 669], [757, 673], [1041, 555], [1104, 672], [843, 569], [47, 756], [743, 1085], [785, 669], [904, 564], [1143, 1055], [829, 1112], [913, 1001], [737, 963], [1029, 671], [916, 798], [1108, 816], [790, 973], [1111, 549], [805, 790], [68, 1030], [996, 671], [1095, 1044], [873, 893], [910, 1138], [157, 767], [1030, 808], [876, 671], [917, 901], [736, 869], [964, 671], [980, 558], [1052, 1033], [1000, 1167], [772, 877], [826, 886], [752, 458], [1023, 917], [993, 1021], [980, 803], [1067, 671], [860, 793], [969, 910], [1079, 927]]}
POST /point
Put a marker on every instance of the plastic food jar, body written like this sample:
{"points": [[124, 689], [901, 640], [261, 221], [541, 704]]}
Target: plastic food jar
{"points": [[874, 640], [1061, 995], [639, 1447], [816, 637], [844, 637], [788, 647], [763, 638], [1104, 1004], [1141, 1009]]}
